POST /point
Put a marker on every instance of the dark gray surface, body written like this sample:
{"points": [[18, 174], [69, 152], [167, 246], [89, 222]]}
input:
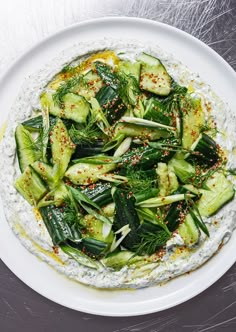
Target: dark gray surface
{"points": [[21, 309]]}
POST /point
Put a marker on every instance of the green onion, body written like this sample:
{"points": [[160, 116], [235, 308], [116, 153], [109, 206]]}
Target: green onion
{"points": [[161, 201]]}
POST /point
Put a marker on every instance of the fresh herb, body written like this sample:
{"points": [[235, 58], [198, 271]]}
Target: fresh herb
{"points": [[71, 214], [69, 69], [37, 144], [140, 180], [210, 128], [150, 243], [66, 88], [88, 134], [128, 86], [200, 178]]}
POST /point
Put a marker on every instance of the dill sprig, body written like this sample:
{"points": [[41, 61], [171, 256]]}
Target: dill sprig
{"points": [[71, 215], [151, 242], [88, 134], [210, 129], [128, 86], [139, 180], [68, 69], [200, 178], [36, 144], [66, 88]]}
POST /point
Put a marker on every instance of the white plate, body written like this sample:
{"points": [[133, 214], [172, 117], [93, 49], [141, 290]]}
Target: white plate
{"points": [[42, 278]]}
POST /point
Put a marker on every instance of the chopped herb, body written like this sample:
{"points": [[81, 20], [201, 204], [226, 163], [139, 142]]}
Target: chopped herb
{"points": [[150, 243]]}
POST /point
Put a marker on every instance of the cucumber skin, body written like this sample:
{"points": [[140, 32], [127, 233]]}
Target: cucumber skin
{"points": [[36, 123], [94, 247], [24, 147], [100, 194], [173, 217], [58, 229], [155, 112], [111, 104], [125, 213], [145, 157], [88, 149], [106, 74], [206, 151]]}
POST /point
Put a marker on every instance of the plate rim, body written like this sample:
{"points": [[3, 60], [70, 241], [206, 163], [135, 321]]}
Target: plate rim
{"points": [[40, 44]]}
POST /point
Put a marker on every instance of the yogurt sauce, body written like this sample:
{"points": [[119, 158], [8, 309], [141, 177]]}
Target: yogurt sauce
{"points": [[31, 230]]}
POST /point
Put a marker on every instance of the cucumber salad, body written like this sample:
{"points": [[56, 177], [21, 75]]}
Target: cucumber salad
{"points": [[122, 168]]}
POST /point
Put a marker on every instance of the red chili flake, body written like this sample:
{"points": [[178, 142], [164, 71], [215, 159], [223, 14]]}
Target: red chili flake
{"points": [[56, 250]]}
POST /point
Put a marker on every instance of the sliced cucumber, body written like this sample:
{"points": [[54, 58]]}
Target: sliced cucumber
{"points": [[193, 120], [24, 147], [111, 103], [86, 149], [91, 84], [100, 193], [167, 180], [33, 124], [54, 197], [133, 130], [122, 258], [125, 212], [155, 111], [94, 228], [154, 77], [54, 220], [45, 171], [62, 147], [173, 181], [220, 191], [30, 186], [145, 157], [205, 151], [107, 74], [94, 247], [182, 169], [79, 256], [46, 100], [75, 107], [84, 174], [163, 181], [130, 68], [189, 231]]}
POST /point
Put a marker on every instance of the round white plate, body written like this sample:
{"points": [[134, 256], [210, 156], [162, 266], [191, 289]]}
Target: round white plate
{"points": [[38, 275]]}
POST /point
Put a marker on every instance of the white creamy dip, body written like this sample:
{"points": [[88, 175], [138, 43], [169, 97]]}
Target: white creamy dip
{"points": [[33, 233]]}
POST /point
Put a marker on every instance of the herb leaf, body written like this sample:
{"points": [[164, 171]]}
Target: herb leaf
{"points": [[66, 87], [88, 134], [151, 242]]}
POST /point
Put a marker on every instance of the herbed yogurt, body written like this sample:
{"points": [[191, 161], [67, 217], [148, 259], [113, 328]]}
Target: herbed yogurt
{"points": [[30, 229]]}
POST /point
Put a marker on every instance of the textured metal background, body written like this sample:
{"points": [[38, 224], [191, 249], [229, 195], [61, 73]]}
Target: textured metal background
{"points": [[25, 22]]}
